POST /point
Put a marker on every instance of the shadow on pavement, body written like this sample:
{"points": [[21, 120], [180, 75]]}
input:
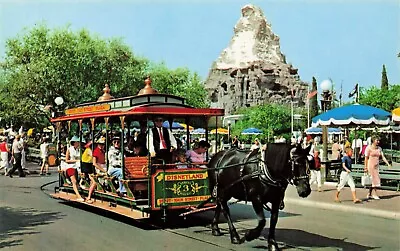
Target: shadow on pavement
{"points": [[16, 222], [294, 238]]}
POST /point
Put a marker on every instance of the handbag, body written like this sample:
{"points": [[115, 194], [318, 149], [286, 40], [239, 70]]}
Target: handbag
{"points": [[366, 180]]}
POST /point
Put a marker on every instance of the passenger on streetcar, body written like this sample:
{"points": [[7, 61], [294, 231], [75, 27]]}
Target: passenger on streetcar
{"points": [[115, 163], [72, 159], [198, 154], [180, 158], [161, 141], [99, 158]]}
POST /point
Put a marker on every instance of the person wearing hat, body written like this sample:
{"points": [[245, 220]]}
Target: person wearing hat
{"points": [[115, 163], [161, 141], [16, 152], [73, 160]]}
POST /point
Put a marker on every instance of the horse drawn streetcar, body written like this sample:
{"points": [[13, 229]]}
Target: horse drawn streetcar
{"points": [[153, 186]]}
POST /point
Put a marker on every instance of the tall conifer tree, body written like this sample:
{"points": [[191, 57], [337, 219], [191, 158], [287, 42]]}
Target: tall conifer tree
{"points": [[385, 82], [314, 100]]}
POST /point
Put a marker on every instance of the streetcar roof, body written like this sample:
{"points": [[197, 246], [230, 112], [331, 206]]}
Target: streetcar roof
{"points": [[141, 105]]}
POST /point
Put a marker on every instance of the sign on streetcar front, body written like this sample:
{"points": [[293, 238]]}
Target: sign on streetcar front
{"points": [[181, 188]]}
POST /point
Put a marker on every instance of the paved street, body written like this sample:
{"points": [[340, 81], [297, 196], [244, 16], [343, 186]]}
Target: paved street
{"points": [[30, 220]]}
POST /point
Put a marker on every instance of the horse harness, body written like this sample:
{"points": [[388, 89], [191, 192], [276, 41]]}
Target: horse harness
{"points": [[263, 173]]}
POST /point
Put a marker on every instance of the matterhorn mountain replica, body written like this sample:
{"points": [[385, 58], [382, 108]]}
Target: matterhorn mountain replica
{"points": [[253, 70]]}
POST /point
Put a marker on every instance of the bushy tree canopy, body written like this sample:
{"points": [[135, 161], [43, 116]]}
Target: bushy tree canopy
{"points": [[381, 98], [272, 119], [43, 64]]}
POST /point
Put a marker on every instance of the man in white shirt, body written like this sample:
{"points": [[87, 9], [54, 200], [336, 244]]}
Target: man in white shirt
{"points": [[17, 148], [357, 146], [161, 141]]}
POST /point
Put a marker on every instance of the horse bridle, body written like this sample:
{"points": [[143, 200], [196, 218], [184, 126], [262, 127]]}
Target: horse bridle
{"points": [[266, 177], [293, 161]]}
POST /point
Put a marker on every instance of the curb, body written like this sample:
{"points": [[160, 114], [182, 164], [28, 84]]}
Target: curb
{"points": [[345, 208]]}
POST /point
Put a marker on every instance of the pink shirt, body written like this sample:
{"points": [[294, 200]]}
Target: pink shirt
{"points": [[195, 157]]}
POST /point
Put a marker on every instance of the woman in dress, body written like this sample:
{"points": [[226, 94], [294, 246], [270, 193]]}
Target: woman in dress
{"points": [[372, 155]]}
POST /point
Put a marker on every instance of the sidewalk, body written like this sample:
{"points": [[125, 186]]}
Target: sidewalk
{"points": [[387, 207]]}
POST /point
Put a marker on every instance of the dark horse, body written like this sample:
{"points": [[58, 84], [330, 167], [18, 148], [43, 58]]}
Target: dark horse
{"points": [[259, 179]]}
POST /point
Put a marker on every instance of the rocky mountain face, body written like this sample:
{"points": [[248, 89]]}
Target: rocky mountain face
{"points": [[252, 70]]}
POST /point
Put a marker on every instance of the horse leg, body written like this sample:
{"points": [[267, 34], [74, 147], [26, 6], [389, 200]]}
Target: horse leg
{"points": [[235, 239], [258, 208], [272, 245], [214, 225]]}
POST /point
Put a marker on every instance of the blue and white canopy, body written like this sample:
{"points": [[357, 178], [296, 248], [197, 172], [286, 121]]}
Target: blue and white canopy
{"points": [[251, 131], [198, 131], [318, 130], [355, 114]]}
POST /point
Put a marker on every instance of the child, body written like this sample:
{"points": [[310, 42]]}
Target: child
{"points": [[345, 176], [316, 173], [181, 161]]}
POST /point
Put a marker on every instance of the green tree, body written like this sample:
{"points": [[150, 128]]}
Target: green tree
{"points": [[380, 98], [42, 64], [314, 99], [384, 81], [272, 119], [179, 82]]}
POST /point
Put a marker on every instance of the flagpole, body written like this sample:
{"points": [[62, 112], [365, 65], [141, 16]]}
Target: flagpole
{"points": [[308, 108]]}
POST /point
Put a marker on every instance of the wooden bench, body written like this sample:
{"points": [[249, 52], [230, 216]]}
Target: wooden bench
{"points": [[136, 175], [34, 155], [388, 175]]}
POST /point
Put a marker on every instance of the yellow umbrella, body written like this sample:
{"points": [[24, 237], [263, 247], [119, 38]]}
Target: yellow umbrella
{"points": [[185, 126], [396, 115], [220, 131]]}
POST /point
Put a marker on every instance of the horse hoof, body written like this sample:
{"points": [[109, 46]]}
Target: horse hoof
{"points": [[273, 246], [236, 240], [216, 232]]}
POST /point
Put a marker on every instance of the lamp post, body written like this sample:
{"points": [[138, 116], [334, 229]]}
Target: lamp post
{"points": [[326, 100], [229, 132]]}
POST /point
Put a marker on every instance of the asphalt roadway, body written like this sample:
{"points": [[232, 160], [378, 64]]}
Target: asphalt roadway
{"points": [[31, 220]]}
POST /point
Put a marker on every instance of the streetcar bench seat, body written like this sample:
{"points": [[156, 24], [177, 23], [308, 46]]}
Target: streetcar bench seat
{"points": [[136, 168], [136, 175]]}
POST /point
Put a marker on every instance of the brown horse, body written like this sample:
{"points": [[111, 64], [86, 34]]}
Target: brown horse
{"points": [[259, 179]]}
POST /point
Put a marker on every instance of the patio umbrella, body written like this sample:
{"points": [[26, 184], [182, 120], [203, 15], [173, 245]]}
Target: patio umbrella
{"points": [[198, 131], [251, 131], [185, 126], [355, 115], [175, 125], [318, 130], [396, 115], [220, 131]]}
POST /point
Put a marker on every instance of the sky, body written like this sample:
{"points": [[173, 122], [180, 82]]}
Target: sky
{"points": [[346, 41]]}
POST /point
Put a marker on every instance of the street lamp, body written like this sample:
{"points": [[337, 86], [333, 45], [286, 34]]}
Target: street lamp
{"points": [[229, 132], [326, 87], [59, 101]]}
